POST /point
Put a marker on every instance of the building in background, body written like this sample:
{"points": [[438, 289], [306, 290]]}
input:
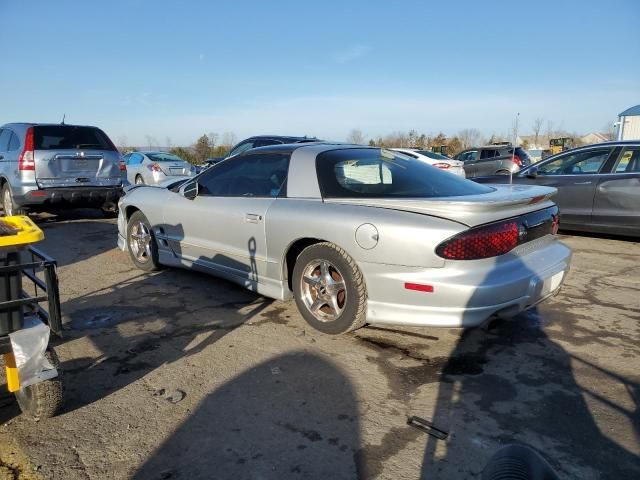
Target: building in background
{"points": [[628, 124]]}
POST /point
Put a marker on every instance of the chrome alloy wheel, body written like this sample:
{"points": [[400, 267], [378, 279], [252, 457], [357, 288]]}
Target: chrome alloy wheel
{"points": [[7, 203], [324, 292], [140, 242]]}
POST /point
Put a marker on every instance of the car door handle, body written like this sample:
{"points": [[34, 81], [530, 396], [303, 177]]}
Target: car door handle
{"points": [[252, 218], [582, 183]]}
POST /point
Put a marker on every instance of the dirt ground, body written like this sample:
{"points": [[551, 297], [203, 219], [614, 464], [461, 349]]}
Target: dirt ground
{"points": [[177, 375]]}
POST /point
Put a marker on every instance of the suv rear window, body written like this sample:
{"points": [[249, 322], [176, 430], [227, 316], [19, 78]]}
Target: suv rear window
{"points": [[381, 173], [65, 137]]}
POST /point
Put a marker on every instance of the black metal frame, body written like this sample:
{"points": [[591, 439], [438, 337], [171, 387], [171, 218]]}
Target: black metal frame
{"points": [[43, 291]]}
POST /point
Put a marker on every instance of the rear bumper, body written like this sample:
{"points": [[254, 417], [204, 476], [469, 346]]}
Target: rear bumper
{"points": [[69, 197], [467, 293]]}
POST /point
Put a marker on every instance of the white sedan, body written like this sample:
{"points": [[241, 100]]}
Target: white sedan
{"points": [[435, 160]]}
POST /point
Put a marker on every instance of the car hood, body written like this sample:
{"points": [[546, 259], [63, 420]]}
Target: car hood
{"points": [[505, 201]]}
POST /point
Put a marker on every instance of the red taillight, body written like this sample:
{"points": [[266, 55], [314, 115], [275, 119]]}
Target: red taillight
{"points": [[122, 165], [26, 160], [483, 242], [154, 167], [517, 160], [442, 165]]}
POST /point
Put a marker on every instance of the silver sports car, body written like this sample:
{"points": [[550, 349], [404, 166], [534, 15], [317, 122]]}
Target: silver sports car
{"points": [[355, 235]]}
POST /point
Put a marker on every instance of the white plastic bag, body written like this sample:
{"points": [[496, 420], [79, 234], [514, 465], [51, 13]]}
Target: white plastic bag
{"points": [[29, 346]]}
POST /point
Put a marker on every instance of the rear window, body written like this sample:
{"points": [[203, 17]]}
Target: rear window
{"points": [[164, 157], [64, 137], [381, 173], [435, 156]]}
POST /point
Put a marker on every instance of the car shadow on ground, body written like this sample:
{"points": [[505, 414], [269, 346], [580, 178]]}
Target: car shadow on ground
{"points": [[293, 416], [146, 322], [510, 383]]}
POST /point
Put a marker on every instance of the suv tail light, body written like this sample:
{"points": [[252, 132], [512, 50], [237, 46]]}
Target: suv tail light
{"points": [[483, 242], [26, 161], [154, 167], [122, 165], [517, 160], [442, 165]]}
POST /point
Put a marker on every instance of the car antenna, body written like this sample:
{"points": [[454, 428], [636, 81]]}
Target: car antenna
{"points": [[515, 144], [64, 115]]}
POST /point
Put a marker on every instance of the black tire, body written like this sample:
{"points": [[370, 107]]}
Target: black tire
{"points": [[8, 205], [353, 314], [502, 172], [44, 399], [141, 180], [109, 210], [149, 261]]}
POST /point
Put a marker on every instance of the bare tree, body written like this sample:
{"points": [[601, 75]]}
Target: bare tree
{"points": [[537, 127], [470, 137], [213, 139], [228, 139], [609, 130], [152, 142], [356, 136], [167, 141], [549, 132]]}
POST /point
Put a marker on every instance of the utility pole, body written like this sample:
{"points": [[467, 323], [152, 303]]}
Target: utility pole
{"points": [[515, 144]]}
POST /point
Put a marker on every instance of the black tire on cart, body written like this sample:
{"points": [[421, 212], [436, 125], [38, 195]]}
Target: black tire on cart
{"points": [[329, 289], [8, 205], [44, 399]]}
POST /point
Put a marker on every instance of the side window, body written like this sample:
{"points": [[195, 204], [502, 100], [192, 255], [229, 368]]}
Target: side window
{"points": [[135, 159], [628, 162], [259, 175], [243, 147], [470, 156], [14, 142], [581, 163], [488, 153], [5, 135]]}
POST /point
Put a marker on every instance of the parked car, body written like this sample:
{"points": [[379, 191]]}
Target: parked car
{"points": [[435, 160], [266, 140], [52, 166], [355, 235], [598, 186], [493, 160], [152, 168]]}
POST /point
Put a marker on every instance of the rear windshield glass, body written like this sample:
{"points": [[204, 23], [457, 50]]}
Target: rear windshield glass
{"points": [[435, 156], [381, 173], [164, 157], [62, 137]]}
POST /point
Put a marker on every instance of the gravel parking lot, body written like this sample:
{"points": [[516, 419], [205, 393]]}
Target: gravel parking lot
{"points": [[177, 375]]}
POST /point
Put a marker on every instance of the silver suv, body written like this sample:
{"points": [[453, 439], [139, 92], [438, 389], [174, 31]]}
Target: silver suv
{"points": [[51, 166]]}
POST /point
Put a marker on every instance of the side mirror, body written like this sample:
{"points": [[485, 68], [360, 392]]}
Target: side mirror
{"points": [[190, 190], [532, 172]]}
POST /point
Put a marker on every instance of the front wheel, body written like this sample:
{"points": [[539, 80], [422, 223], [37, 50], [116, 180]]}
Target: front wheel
{"points": [[329, 289], [141, 243], [139, 180], [503, 172], [8, 205]]}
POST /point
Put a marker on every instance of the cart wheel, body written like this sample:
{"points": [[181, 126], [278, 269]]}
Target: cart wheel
{"points": [[44, 399]]}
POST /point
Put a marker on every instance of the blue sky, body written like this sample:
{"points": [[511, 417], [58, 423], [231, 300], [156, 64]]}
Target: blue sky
{"points": [[174, 70]]}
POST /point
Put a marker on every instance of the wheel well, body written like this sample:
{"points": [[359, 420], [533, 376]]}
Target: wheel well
{"points": [[130, 210], [292, 255]]}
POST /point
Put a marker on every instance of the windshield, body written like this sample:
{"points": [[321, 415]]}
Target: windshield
{"points": [[381, 173], [435, 156], [164, 157], [64, 137]]}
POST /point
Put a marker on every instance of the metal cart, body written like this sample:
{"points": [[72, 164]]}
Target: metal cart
{"points": [[28, 288]]}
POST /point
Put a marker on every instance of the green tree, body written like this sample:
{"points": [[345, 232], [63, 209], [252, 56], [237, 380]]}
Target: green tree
{"points": [[202, 149], [183, 153]]}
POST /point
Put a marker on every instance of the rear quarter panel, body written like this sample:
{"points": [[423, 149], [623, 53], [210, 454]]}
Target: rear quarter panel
{"points": [[404, 238]]}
